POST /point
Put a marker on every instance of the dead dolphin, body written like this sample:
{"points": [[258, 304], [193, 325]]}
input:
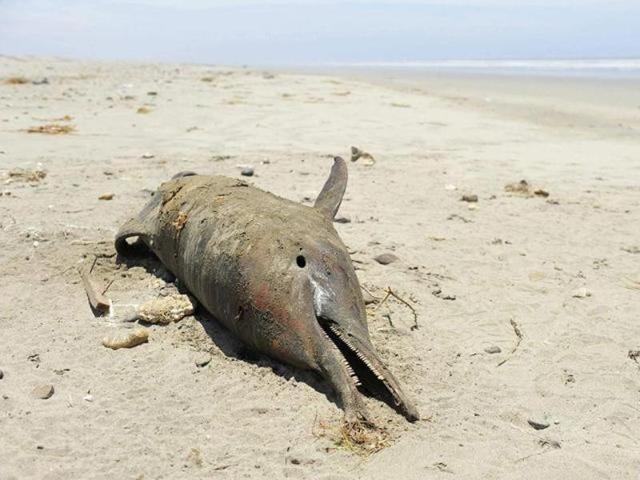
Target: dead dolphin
{"points": [[274, 272]]}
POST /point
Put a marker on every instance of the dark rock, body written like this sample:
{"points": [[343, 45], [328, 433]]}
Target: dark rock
{"points": [[469, 198], [1, 374], [538, 424], [342, 220], [385, 258], [247, 172]]}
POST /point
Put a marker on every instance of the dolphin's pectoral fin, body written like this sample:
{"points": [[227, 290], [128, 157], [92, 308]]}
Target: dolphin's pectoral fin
{"points": [[330, 197], [133, 229]]}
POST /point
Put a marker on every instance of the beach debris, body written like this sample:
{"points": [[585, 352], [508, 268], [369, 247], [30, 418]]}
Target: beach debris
{"points": [[88, 398], [493, 349], [206, 79], [43, 392], [519, 337], [358, 154], [447, 296], [455, 216], [1, 374], [247, 172], [99, 303], [386, 258], [106, 196], [360, 438], [545, 442], [524, 189], [144, 110], [521, 187], [126, 338], [581, 292], [342, 220], [41, 81], [538, 424], [203, 359], [52, 129], [469, 198], [450, 187], [633, 249], [633, 355], [21, 175], [391, 293], [147, 155], [16, 81], [165, 310], [152, 93]]}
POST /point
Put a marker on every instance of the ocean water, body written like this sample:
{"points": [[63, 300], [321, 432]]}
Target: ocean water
{"points": [[587, 68]]}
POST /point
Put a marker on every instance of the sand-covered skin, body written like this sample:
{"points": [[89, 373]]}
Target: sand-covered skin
{"points": [[472, 271]]}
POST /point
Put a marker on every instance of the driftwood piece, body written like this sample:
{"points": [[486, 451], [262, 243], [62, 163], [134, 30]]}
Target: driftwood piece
{"points": [[96, 298]]}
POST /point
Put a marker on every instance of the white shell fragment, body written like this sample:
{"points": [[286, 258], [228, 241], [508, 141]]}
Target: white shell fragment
{"points": [[126, 338], [164, 310]]}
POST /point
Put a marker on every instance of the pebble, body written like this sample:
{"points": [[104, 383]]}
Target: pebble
{"points": [[126, 339], [148, 155], [342, 220], [43, 391], [247, 172], [582, 292], [493, 349], [469, 198], [1, 374], [106, 196], [385, 258], [368, 298], [203, 359], [538, 424]]}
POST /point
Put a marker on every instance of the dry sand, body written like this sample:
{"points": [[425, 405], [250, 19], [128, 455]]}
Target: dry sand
{"points": [[472, 274]]}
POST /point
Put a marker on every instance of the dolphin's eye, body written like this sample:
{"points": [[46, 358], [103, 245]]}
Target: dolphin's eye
{"points": [[301, 261]]}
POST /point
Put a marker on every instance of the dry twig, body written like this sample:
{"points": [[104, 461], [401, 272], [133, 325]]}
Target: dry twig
{"points": [[519, 336]]}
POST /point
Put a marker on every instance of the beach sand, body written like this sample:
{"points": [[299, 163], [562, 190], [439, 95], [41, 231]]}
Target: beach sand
{"points": [[553, 282]]}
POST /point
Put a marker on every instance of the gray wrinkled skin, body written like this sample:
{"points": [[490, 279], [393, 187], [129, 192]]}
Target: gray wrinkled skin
{"points": [[274, 272]]}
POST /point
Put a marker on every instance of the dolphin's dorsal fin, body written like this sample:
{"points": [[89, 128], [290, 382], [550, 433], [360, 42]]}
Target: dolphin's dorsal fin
{"points": [[330, 197]]}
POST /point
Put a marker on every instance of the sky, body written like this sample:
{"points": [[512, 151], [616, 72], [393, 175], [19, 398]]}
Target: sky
{"points": [[305, 32]]}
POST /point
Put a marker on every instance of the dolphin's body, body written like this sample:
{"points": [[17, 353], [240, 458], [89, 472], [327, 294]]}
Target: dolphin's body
{"points": [[274, 272]]}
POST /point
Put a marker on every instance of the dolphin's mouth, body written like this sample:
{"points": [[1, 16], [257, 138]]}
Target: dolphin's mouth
{"points": [[362, 369]]}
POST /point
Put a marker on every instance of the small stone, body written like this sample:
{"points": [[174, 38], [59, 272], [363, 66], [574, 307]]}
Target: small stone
{"points": [[126, 339], [247, 172], [1, 374], [203, 359], [106, 196], [148, 155], [493, 349], [385, 258], [368, 298], [538, 424], [581, 292], [43, 391], [342, 220], [469, 198]]}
